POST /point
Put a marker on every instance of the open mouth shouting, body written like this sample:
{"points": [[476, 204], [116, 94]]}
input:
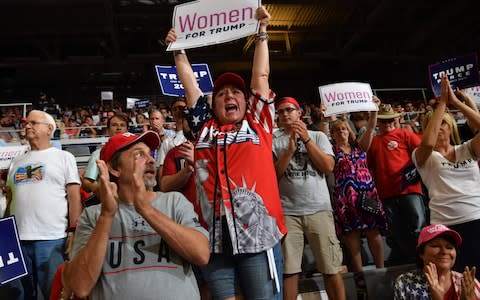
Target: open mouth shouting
{"points": [[231, 108], [150, 171]]}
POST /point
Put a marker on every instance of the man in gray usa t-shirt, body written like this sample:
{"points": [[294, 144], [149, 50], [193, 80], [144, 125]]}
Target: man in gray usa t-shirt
{"points": [[136, 244]]}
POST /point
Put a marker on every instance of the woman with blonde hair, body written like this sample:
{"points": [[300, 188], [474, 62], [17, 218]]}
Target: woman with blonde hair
{"points": [[451, 174], [452, 124]]}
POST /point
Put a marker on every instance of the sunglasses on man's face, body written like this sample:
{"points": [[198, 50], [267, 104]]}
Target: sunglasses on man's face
{"points": [[386, 121], [288, 110]]}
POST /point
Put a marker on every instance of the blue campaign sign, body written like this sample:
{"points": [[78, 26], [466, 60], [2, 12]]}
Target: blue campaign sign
{"points": [[12, 264], [462, 72], [171, 85], [142, 104]]}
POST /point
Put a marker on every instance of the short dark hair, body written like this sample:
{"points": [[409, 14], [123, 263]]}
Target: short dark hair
{"points": [[178, 99], [122, 117]]}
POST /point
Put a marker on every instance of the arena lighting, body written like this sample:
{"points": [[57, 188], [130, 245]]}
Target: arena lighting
{"points": [[147, 2]]}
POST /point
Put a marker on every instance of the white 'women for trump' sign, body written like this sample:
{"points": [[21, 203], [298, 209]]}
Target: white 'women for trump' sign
{"points": [[347, 97], [208, 22], [8, 153]]}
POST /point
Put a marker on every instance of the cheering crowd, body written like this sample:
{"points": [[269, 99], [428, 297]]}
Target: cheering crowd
{"points": [[219, 203]]}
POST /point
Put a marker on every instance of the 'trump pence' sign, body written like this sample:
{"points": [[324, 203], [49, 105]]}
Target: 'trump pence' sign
{"points": [[208, 22], [461, 71], [347, 97]]}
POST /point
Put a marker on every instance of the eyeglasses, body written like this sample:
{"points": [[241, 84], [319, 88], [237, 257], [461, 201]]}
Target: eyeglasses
{"points": [[288, 110], [35, 123]]}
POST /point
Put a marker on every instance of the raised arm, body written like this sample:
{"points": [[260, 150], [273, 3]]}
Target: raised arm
{"points": [[185, 72], [321, 160], [188, 242], [171, 181], [82, 273], [430, 134], [324, 123], [261, 64], [467, 106], [89, 185], [89, 178], [367, 137]]}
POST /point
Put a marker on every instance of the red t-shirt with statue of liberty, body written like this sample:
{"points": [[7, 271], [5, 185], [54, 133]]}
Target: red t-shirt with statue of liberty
{"points": [[236, 179]]}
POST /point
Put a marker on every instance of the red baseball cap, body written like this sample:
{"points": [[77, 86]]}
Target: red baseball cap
{"points": [[430, 232], [122, 140], [229, 78], [290, 100]]}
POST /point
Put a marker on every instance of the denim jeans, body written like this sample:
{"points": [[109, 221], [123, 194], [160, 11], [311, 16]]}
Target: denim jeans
{"points": [[42, 259], [405, 216], [244, 274]]}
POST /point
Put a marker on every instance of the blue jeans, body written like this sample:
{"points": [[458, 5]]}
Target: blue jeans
{"points": [[42, 259], [244, 274]]}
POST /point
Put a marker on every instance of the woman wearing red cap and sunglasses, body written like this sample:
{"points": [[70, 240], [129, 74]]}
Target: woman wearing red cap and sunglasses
{"points": [[434, 279], [235, 176]]}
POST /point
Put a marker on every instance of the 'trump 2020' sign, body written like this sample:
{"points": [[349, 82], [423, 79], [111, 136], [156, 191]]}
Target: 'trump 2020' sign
{"points": [[172, 86], [208, 22]]}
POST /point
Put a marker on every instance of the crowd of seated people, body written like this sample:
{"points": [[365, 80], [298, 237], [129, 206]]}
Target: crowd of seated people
{"points": [[91, 121], [88, 122], [80, 122]]}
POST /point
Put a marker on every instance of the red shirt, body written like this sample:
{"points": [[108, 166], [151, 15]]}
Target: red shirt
{"points": [[172, 164], [389, 159], [234, 164]]}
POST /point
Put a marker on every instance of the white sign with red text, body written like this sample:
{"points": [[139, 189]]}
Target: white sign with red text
{"points": [[347, 97], [209, 22], [8, 153]]}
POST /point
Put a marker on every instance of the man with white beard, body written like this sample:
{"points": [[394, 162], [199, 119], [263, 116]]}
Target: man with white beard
{"points": [[136, 243]]}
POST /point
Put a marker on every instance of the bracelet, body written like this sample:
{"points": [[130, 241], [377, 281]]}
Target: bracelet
{"points": [[176, 52], [307, 141], [261, 36]]}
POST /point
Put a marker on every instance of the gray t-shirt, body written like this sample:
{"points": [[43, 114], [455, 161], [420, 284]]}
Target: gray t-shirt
{"points": [[138, 263], [303, 189]]}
